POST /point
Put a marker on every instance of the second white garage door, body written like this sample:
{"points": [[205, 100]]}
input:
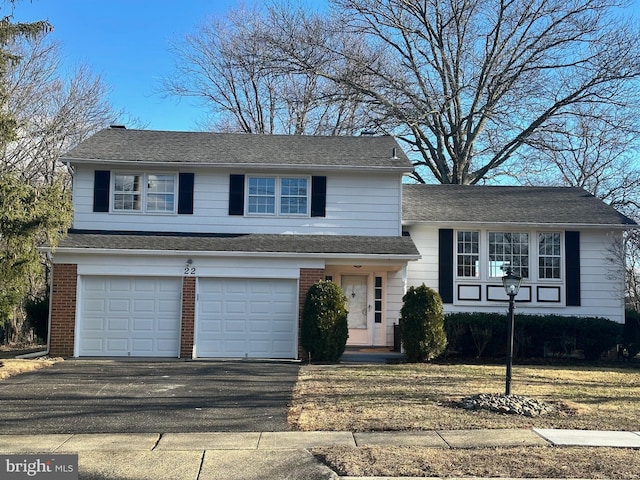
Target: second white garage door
{"points": [[246, 318]]}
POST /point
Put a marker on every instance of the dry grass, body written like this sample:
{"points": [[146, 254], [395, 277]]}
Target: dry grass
{"points": [[534, 462], [11, 367], [424, 396]]}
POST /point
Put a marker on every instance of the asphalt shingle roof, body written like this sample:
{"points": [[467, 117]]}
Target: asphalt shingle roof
{"points": [[203, 148], [506, 204], [260, 243]]}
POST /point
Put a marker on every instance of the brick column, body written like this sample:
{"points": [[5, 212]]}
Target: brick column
{"points": [[63, 309], [308, 276], [187, 325]]}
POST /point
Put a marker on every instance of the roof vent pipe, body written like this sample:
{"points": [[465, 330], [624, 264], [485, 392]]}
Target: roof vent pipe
{"points": [[393, 154]]}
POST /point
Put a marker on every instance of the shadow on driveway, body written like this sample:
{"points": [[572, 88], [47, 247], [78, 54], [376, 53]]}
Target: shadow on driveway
{"points": [[104, 396]]}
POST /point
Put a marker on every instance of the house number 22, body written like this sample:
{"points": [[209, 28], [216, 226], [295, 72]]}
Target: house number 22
{"points": [[189, 269]]}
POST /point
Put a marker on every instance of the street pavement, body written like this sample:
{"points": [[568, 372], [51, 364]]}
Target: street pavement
{"points": [[267, 455]]}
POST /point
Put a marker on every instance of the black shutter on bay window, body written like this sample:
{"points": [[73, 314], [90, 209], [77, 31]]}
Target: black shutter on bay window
{"points": [[445, 264], [572, 267], [101, 181], [236, 194], [318, 196], [185, 193]]}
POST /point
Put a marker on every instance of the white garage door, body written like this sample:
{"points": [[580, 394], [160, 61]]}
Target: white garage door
{"points": [[246, 318], [130, 316]]}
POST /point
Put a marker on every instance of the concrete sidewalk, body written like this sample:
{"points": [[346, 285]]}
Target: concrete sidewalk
{"points": [[267, 455]]}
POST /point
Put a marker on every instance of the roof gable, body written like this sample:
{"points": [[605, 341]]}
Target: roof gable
{"points": [[506, 204], [118, 145]]}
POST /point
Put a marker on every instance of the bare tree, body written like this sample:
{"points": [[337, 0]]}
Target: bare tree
{"points": [[467, 83], [52, 113], [595, 149], [227, 65]]}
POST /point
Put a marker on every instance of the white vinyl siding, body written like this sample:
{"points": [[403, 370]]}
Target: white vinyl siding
{"points": [[356, 204]]}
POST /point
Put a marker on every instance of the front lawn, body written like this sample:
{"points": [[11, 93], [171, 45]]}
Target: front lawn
{"points": [[424, 397]]}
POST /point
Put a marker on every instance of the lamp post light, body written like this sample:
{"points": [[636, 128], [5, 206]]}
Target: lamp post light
{"points": [[511, 283]]}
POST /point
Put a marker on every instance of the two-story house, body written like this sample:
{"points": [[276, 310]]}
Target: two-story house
{"points": [[204, 245], [199, 245]]}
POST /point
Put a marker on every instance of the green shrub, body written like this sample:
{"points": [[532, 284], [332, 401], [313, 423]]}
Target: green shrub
{"points": [[422, 324], [37, 311], [324, 329], [535, 336]]}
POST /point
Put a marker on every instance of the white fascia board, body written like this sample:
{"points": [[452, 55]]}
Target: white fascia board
{"points": [[213, 253], [239, 166], [548, 226]]}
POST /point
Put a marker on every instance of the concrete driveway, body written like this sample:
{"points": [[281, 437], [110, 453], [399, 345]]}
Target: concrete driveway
{"points": [[103, 396]]}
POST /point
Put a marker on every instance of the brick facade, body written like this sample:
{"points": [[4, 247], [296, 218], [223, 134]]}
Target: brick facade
{"points": [[63, 309], [308, 276], [187, 325]]}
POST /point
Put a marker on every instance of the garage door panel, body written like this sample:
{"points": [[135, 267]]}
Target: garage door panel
{"points": [[129, 316], [247, 317]]}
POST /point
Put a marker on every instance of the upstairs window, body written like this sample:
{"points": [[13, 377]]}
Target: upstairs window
{"points": [[293, 196], [151, 193], [278, 196], [127, 193]]}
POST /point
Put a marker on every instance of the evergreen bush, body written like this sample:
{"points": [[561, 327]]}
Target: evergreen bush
{"points": [[324, 329], [535, 336], [422, 324]]}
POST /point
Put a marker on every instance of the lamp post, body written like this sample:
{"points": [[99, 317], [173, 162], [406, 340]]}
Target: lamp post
{"points": [[511, 283]]}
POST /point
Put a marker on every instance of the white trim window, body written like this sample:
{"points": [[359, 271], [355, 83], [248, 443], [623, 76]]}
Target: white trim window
{"points": [[508, 248], [150, 193], [549, 255], [468, 254], [278, 196]]}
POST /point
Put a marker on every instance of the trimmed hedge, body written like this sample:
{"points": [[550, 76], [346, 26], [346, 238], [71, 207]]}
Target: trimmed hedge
{"points": [[324, 328], [485, 335], [421, 324], [632, 332]]}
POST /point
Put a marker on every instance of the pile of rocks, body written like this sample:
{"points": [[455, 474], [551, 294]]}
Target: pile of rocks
{"points": [[509, 404]]}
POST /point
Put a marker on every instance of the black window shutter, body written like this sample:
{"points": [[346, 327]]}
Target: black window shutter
{"points": [[572, 267], [445, 264], [101, 181], [318, 196], [185, 193], [236, 194]]}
